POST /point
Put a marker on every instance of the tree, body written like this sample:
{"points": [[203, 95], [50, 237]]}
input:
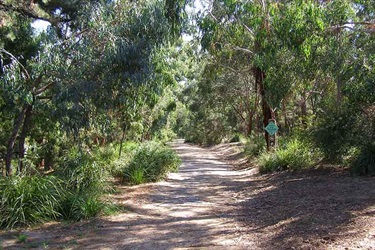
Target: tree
{"points": [[119, 57], [267, 32]]}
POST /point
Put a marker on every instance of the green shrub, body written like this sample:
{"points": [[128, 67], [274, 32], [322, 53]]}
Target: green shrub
{"points": [[86, 177], [335, 134], [118, 165], [74, 193], [294, 155], [151, 162], [364, 163], [164, 135], [136, 175], [22, 238], [29, 200], [84, 172], [254, 146], [105, 155], [235, 138], [78, 206]]}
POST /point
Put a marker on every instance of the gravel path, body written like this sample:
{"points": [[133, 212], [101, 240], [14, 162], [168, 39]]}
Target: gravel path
{"points": [[207, 205]]}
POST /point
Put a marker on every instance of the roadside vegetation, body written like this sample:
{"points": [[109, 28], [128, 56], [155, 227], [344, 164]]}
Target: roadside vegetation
{"points": [[97, 95], [314, 78], [78, 188]]}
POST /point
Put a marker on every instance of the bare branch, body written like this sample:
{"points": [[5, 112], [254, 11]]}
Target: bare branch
{"points": [[16, 60], [243, 49]]}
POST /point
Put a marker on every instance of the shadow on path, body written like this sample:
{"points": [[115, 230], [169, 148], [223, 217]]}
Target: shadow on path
{"points": [[207, 205]]}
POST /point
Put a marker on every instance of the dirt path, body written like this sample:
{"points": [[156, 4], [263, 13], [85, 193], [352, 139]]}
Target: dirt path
{"points": [[207, 205]]}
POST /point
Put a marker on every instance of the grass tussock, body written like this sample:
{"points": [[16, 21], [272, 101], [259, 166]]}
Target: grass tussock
{"points": [[29, 200], [149, 162], [293, 155]]}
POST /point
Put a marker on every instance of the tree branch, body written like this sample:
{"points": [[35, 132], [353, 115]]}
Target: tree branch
{"points": [[18, 62], [28, 12]]}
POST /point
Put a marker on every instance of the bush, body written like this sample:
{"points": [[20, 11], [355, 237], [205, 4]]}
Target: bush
{"points": [[364, 163], [294, 155], [74, 193], [254, 146], [86, 177], [29, 200], [151, 162], [83, 172], [78, 206], [235, 138], [335, 134], [118, 165]]}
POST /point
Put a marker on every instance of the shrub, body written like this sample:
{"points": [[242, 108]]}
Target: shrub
{"points": [[84, 172], [294, 155], [86, 177], [364, 163], [335, 134], [29, 200], [74, 193], [254, 146], [235, 138], [151, 162], [118, 165], [78, 206]]}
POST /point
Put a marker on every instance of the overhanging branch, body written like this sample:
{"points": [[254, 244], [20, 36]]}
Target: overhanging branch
{"points": [[30, 13]]}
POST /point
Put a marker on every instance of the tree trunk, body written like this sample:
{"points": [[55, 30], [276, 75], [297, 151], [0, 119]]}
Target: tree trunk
{"points": [[286, 125], [249, 127], [21, 141], [122, 139], [12, 140], [266, 110], [304, 110]]}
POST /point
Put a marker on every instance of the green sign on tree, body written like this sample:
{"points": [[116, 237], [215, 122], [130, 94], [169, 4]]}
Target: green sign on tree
{"points": [[271, 128]]}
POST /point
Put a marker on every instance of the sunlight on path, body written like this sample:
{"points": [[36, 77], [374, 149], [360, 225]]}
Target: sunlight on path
{"points": [[207, 205], [192, 209]]}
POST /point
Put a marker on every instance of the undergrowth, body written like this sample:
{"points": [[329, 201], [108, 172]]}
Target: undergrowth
{"points": [[295, 154], [151, 162], [364, 162], [73, 192], [29, 200], [254, 146]]}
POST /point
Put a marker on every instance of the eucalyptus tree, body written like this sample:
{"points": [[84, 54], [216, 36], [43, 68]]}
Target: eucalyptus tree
{"points": [[348, 125], [102, 65], [267, 33]]}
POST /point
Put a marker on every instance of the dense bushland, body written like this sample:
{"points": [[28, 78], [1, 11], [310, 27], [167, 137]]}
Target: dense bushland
{"points": [[77, 189], [313, 77]]}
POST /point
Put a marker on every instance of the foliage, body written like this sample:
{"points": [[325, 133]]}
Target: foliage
{"points": [[30, 199], [107, 72], [79, 205], [254, 146], [151, 162], [84, 172], [294, 155], [74, 192], [22, 238], [364, 162], [332, 133], [118, 165]]}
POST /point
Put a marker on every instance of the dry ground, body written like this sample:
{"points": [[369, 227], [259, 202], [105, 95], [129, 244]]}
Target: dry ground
{"points": [[208, 205]]}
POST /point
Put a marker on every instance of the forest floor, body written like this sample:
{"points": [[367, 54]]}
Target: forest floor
{"points": [[210, 205]]}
